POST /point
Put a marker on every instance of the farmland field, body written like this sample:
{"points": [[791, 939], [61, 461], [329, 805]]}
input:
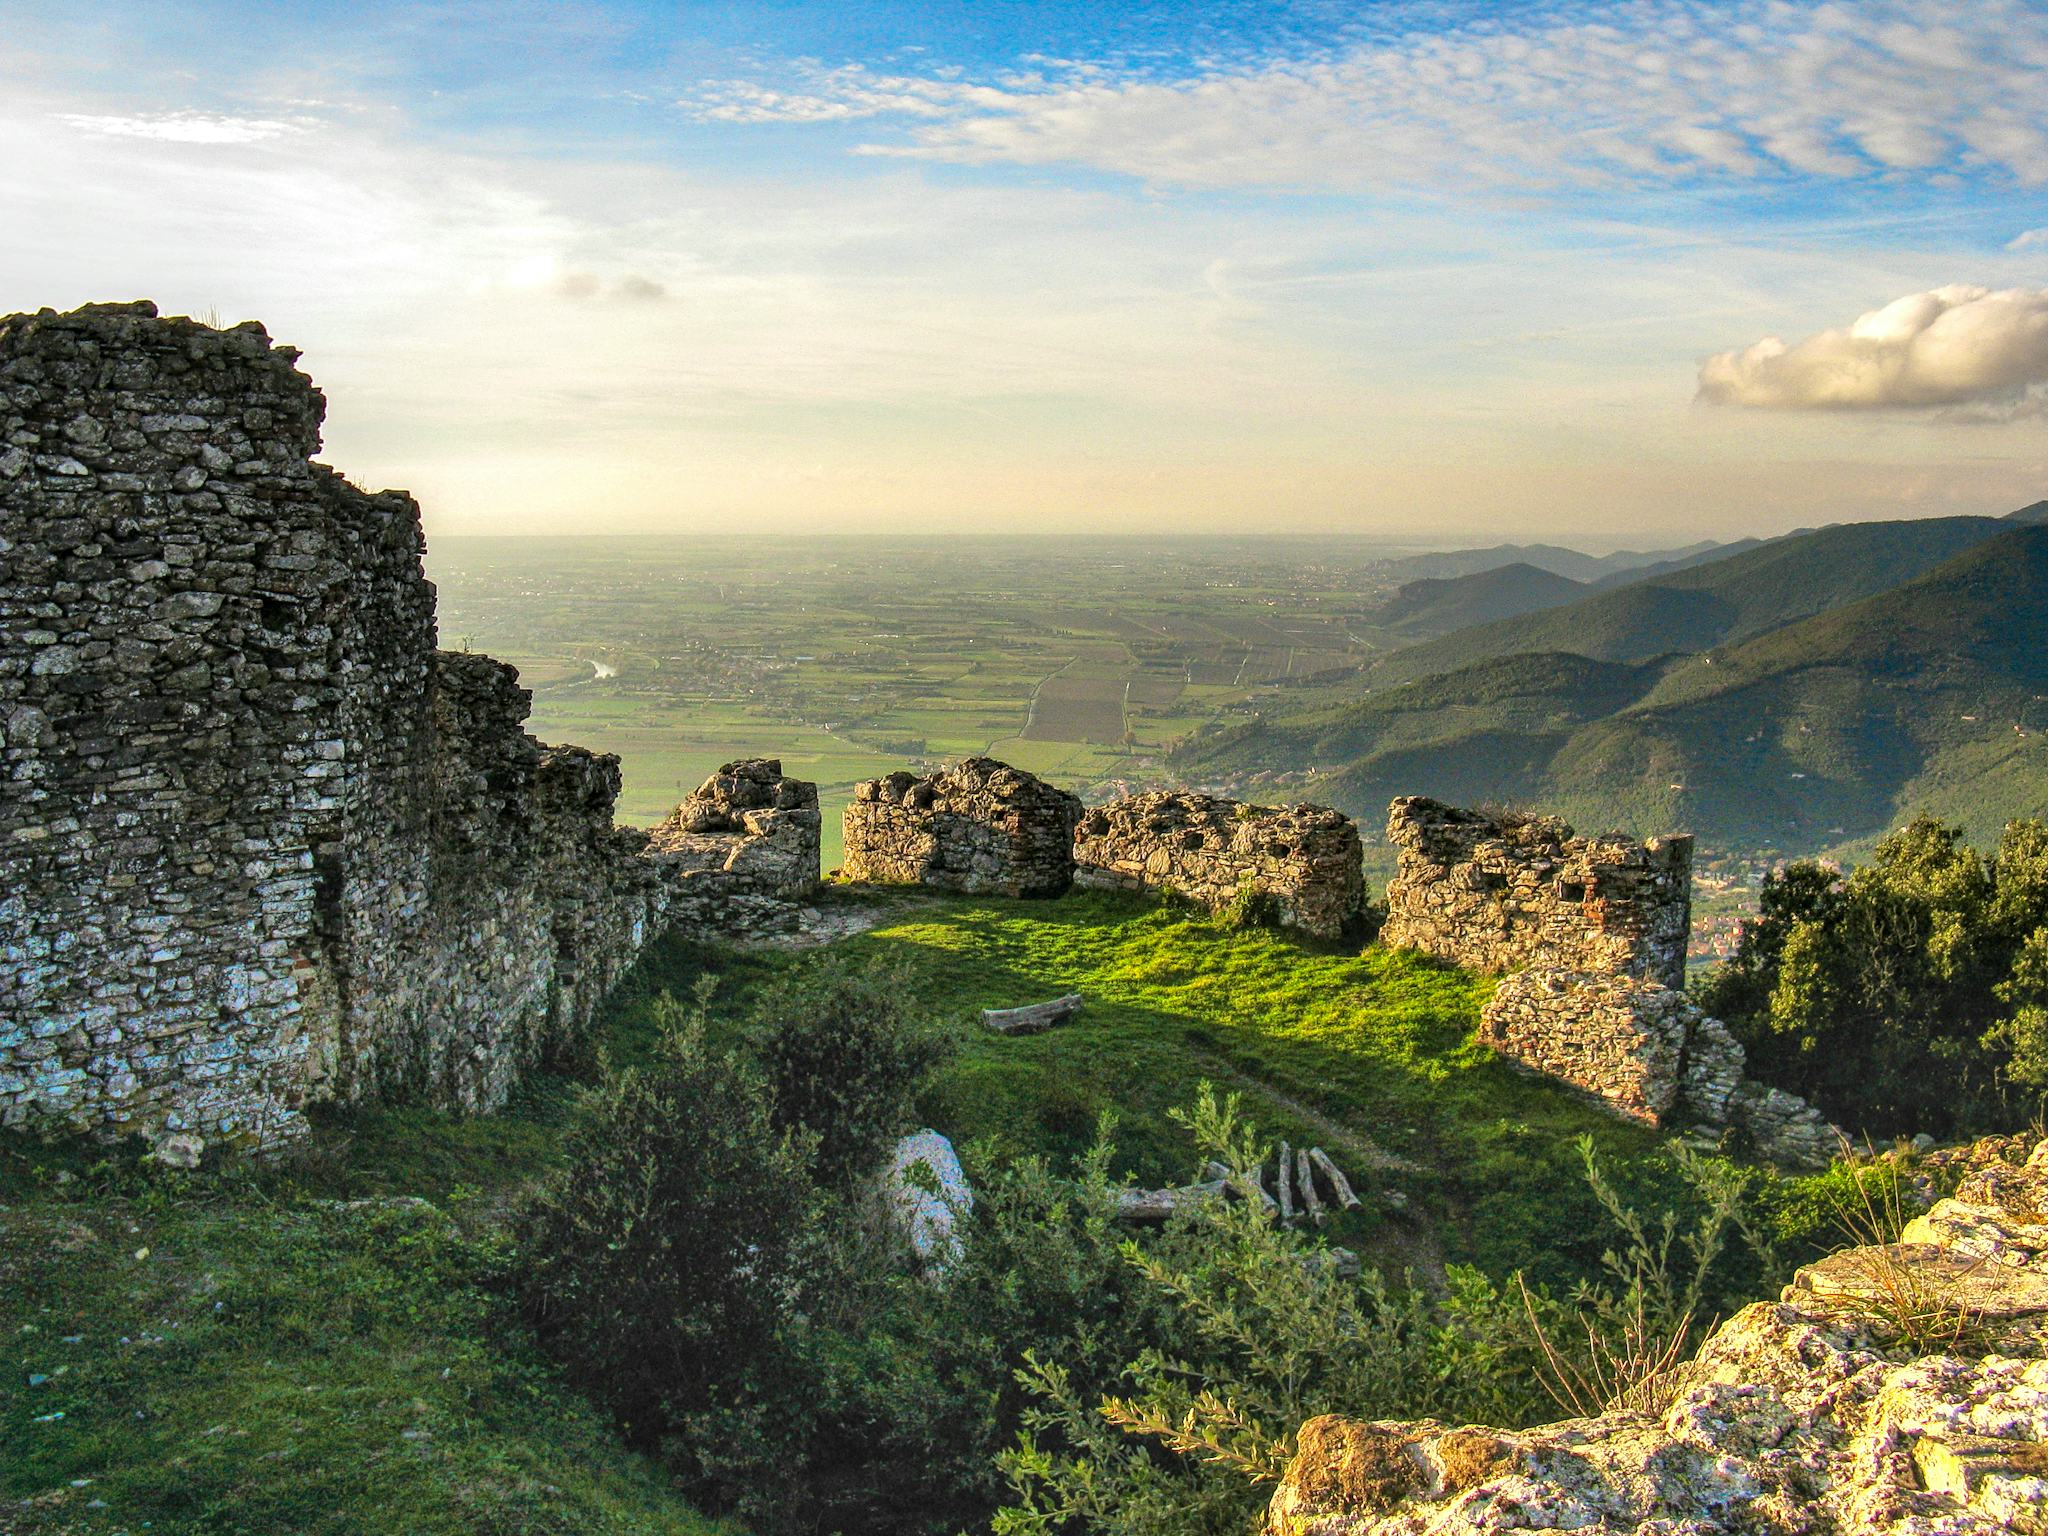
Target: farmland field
{"points": [[846, 658]]}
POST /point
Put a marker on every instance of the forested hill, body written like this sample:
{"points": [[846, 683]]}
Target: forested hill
{"points": [[1925, 697], [1438, 605], [1717, 603]]}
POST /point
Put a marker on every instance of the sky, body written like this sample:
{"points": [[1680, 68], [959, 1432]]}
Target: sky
{"points": [[1616, 274]]}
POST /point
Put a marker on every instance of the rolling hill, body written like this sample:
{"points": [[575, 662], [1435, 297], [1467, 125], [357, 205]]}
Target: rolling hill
{"points": [[1437, 605], [1930, 696], [1553, 558], [1717, 603]]}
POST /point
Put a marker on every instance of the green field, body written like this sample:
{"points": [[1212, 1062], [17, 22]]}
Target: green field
{"points": [[1085, 663]]}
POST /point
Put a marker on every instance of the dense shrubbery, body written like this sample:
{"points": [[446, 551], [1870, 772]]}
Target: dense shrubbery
{"points": [[1912, 995], [710, 1268]]}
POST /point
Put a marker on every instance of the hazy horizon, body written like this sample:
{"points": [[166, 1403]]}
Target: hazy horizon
{"points": [[1615, 275]]}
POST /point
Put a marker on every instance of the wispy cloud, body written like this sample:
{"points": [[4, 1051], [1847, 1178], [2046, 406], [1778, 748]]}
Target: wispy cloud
{"points": [[1656, 91], [184, 127], [1957, 346]]}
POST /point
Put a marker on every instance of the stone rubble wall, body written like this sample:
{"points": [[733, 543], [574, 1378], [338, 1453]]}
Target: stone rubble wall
{"points": [[1647, 1053], [260, 843], [1501, 893], [1808, 1414], [1308, 858], [978, 827]]}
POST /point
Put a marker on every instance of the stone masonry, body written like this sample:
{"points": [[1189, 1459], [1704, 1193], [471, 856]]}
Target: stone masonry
{"points": [[1308, 858], [260, 842], [1649, 1054], [742, 849], [979, 827], [1499, 893]]}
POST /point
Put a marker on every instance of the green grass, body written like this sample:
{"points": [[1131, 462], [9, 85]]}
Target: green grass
{"points": [[277, 1360], [227, 1352], [1373, 1056]]}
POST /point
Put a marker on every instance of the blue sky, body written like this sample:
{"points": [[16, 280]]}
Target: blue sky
{"points": [[1616, 272]]}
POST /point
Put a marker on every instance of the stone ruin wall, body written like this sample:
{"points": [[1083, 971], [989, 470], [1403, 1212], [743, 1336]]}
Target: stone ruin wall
{"points": [[260, 843], [978, 827], [1497, 894], [1308, 858]]}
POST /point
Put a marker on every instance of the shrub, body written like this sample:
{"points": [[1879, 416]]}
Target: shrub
{"points": [[660, 1262], [1911, 996], [843, 1059], [1252, 906]]}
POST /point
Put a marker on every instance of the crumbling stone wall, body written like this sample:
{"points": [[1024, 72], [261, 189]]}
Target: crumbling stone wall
{"points": [[979, 827], [1500, 893], [260, 844], [741, 848], [1308, 858], [1649, 1054]]}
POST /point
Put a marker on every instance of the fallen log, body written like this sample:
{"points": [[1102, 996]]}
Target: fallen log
{"points": [[1284, 1182], [1305, 1182], [1340, 1187], [1033, 1018], [1215, 1171], [1149, 1207]]}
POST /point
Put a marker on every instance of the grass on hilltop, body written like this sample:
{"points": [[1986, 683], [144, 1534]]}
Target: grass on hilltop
{"points": [[239, 1350]]}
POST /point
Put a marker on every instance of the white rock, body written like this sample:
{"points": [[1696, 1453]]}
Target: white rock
{"points": [[928, 1195]]}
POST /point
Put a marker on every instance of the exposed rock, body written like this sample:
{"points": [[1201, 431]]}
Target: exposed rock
{"points": [[1783, 1128], [1809, 1414], [1497, 893], [1306, 858], [928, 1196], [980, 827], [261, 843]]}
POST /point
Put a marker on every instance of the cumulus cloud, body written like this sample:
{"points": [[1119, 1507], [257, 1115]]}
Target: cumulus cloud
{"points": [[1651, 91], [1979, 353]]}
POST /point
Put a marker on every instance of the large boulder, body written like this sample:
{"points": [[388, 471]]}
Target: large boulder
{"points": [[928, 1196]]}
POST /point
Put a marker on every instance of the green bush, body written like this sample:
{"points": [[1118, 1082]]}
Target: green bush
{"points": [[660, 1262], [1910, 996], [843, 1057]]}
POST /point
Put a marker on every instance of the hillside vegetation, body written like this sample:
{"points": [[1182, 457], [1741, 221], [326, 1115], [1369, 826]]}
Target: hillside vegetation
{"points": [[254, 1349], [1435, 606], [1720, 602], [1919, 699]]}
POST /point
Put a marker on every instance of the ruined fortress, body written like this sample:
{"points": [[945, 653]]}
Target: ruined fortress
{"points": [[261, 843]]}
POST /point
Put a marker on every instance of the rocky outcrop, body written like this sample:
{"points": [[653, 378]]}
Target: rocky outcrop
{"points": [[1307, 858], [262, 844], [1815, 1413], [979, 827], [1498, 893], [1648, 1054]]}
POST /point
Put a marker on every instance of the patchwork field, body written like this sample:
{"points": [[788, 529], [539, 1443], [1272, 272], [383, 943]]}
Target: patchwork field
{"points": [[849, 658]]}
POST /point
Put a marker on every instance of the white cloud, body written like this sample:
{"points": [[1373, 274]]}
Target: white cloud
{"points": [[2027, 239], [1960, 347], [1655, 90], [184, 127]]}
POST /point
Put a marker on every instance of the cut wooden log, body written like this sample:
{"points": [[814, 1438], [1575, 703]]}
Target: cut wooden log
{"points": [[1340, 1187], [1249, 1185], [1305, 1185], [1149, 1207], [1284, 1182], [1033, 1018]]}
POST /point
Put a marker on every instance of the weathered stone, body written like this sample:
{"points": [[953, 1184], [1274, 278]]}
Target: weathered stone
{"points": [[1810, 1414], [1307, 859], [979, 827], [260, 843], [1497, 893], [929, 1196], [746, 831]]}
